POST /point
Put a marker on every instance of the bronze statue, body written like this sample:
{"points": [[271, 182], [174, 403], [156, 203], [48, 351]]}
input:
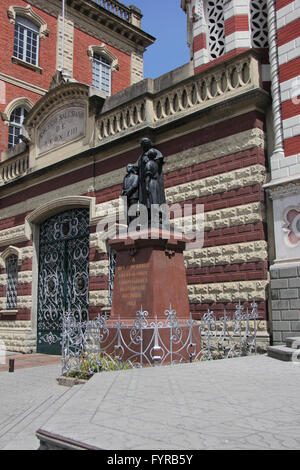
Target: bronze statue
{"points": [[130, 188], [144, 196], [149, 182]]}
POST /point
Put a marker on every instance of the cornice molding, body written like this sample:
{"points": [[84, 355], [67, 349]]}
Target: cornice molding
{"points": [[101, 24]]}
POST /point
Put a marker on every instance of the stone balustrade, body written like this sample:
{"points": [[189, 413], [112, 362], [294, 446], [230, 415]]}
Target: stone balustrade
{"points": [[13, 168], [205, 89], [116, 8]]}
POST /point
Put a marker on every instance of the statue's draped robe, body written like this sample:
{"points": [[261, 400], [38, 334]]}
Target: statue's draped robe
{"points": [[159, 187]]}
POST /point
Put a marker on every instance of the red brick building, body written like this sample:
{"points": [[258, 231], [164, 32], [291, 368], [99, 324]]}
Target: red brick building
{"points": [[227, 123], [100, 48]]}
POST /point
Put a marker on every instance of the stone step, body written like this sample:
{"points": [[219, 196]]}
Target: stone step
{"points": [[284, 353], [293, 342]]}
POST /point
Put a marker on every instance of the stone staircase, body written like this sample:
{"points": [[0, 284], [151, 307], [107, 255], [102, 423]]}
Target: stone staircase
{"points": [[289, 352]]}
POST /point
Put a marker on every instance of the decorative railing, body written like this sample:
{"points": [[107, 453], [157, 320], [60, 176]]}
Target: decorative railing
{"points": [[116, 8], [221, 82], [101, 344], [13, 168]]}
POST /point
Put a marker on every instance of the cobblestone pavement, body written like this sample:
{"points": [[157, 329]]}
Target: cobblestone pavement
{"points": [[29, 397], [242, 403]]}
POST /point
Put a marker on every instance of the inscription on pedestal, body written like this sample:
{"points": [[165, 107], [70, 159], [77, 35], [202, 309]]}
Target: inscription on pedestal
{"points": [[132, 283], [62, 127]]}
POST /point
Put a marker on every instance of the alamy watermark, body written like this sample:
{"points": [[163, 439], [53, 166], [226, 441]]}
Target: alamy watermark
{"points": [[179, 221]]}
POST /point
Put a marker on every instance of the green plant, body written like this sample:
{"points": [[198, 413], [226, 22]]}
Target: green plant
{"points": [[94, 363]]}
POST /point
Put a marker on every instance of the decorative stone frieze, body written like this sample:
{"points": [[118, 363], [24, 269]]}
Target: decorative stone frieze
{"points": [[223, 81], [227, 254], [228, 292], [24, 301], [97, 298], [216, 184]]}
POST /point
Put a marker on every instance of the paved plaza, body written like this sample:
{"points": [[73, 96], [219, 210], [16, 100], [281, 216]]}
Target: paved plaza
{"points": [[241, 403]]}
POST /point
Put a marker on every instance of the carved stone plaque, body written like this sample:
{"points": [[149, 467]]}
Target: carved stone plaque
{"points": [[62, 127]]}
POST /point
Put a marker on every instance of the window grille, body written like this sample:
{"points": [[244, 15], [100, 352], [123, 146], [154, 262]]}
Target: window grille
{"points": [[12, 282], [15, 125], [101, 73], [216, 30], [259, 23], [26, 42]]}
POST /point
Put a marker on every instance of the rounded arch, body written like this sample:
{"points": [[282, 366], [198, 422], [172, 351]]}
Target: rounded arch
{"points": [[31, 15], [106, 53], [16, 103], [55, 206], [9, 251]]}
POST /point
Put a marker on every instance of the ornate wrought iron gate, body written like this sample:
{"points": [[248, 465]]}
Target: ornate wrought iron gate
{"points": [[63, 275]]}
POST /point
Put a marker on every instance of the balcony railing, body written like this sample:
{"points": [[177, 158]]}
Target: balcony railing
{"points": [[117, 8], [219, 83], [14, 168]]}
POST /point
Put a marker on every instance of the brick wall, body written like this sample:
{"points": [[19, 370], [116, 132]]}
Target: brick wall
{"points": [[222, 167], [121, 78], [288, 40], [20, 80]]}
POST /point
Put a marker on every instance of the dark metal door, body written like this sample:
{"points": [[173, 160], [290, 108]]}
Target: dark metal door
{"points": [[63, 275]]}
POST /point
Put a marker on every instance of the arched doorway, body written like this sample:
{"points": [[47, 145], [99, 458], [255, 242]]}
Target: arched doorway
{"points": [[63, 283]]}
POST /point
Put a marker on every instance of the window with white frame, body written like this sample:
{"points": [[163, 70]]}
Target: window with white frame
{"points": [[26, 40], [15, 125], [11, 263], [101, 73]]}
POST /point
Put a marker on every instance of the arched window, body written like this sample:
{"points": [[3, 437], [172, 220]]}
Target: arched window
{"points": [[11, 264], [104, 62], [101, 73], [26, 40], [15, 125]]}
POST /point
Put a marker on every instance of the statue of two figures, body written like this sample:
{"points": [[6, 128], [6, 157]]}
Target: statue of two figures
{"points": [[143, 186]]}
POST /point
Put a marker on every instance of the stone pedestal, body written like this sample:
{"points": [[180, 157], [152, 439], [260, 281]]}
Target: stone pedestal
{"points": [[150, 274]]}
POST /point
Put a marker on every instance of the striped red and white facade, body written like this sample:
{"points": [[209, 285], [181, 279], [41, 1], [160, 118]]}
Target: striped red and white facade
{"points": [[288, 42], [228, 128]]}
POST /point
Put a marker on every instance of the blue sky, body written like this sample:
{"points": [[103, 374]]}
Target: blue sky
{"points": [[166, 21]]}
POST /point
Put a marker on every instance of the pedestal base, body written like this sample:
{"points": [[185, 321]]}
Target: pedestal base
{"points": [[149, 275]]}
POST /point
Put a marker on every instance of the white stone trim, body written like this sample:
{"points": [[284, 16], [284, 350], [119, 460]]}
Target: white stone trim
{"points": [[16, 103], [290, 89], [30, 14], [11, 250], [235, 8], [57, 205], [289, 51], [238, 39], [16, 234], [288, 13], [20, 83], [201, 57], [105, 52], [291, 128], [228, 291], [275, 82]]}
